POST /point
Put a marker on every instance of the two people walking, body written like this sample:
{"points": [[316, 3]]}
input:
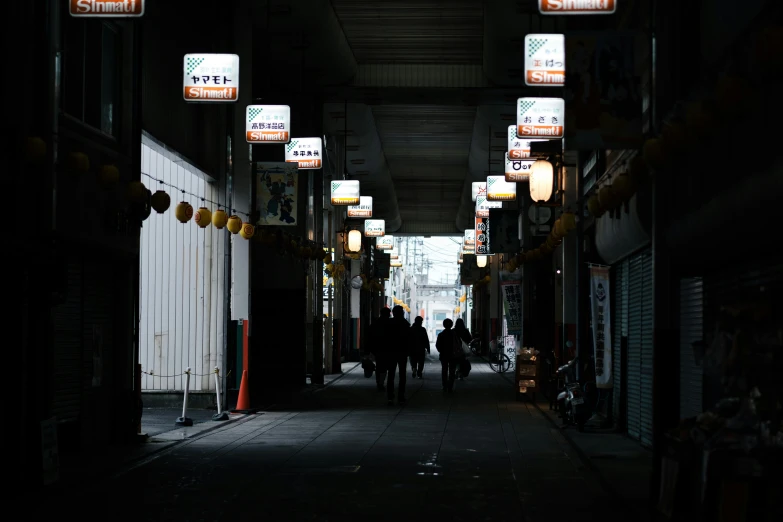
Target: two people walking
{"points": [[449, 346]]}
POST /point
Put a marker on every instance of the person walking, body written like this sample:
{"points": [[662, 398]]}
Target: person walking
{"points": [[378, 345], [462, 332], [420, 346], [398, 336], [448, 358]]}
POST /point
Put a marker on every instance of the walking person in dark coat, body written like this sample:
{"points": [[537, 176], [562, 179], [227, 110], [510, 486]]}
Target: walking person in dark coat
{"points": [[462, 331], [398, 337], [448, 361], [378, 341], [420, 346]]}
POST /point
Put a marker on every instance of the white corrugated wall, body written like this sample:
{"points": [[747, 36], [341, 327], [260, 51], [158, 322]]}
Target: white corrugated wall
{"points": [[182, 280]]}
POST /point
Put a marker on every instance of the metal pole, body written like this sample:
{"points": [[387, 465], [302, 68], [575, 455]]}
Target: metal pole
{"points": [[184, 420], [220, 415]]}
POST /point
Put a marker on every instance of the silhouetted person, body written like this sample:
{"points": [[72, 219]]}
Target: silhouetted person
{"points": [[378, 345], [420, 346], [448, 361], [462, 331], [398, 336]]}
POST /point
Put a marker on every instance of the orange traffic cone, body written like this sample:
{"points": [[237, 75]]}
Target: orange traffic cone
{"points": [[243, 401]]}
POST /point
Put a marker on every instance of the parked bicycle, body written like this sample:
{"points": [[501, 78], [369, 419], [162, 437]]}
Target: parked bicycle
{"points": [[498, 360]]}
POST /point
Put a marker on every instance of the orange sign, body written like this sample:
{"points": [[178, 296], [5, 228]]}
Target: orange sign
{"points": [[540, 117], [270, 124], [576, 7], [107, 8], [210, 77]]}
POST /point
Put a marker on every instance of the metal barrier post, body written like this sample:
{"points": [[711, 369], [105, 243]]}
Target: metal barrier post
{"points": [[220, 415], [184, 420]]}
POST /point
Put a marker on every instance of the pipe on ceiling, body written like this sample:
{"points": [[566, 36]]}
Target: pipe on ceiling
{"points": [[364, 144]]}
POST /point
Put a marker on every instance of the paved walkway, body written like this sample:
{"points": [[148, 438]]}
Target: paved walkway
{"points": [[344, 454]]}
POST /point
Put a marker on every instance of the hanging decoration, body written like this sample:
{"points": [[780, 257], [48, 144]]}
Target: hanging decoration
{"points": [[203, 217], [183, 212], [219, 218], [108, 176], [234, 224], [77, 163], [160, 201], [136, 192], [247, 231], [35, 150]]}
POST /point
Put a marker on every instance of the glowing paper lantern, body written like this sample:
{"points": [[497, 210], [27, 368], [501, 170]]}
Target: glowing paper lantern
{"points": [[541, 179], [481, 261], [354, 241]]}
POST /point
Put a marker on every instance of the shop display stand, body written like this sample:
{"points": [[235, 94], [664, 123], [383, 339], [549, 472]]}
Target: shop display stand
{"points": [[527, 375]]}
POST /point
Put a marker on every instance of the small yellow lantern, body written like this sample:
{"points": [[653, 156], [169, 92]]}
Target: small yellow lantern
{"points": [[219, 219], [559, 228], [622, 187], [247, 231], [569, 221], [234, 224], [77, 162], [606, 197], [654, 153], [160, 201], [136, 191], [183, 212], [203, 217], [35, 150], [108, 176], [594, 207]]}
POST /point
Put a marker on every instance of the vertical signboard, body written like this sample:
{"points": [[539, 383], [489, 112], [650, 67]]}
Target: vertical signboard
{"points": [[541, 117], [268, 123], [482, 236], [545, 60], [307, 153], [602, 328], [277, 194], [210, 77]]}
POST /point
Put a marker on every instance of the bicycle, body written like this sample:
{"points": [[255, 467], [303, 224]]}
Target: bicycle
{"points": [[498, 360]]}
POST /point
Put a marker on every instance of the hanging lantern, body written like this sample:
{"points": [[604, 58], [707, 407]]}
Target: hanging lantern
{"points": [[481, 261], [594, 207], [183, 212], [203, 217], [675, 137], [35, 150], [354, 244], [108, 176], [606, 197], [160, 201], [219, 218], [559, 229], [234, 224], [77, 162], [569, 221], [136, 192], [622, 187], [700, 119], [247, 230], [654, 153], [541, 180]]}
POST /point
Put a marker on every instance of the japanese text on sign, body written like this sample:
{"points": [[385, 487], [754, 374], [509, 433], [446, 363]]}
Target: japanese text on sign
{"points": [[518, 148], [483, 205], [271, 124], [518, 170], [363, 209], [540, 117], [305, 152], [482, 236], [211, 77], [545, 60], [374, 227]]}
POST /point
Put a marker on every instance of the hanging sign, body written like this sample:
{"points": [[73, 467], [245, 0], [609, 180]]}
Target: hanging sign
{"points": [[602, 328], [211, 77], [396, 264], [498, 189], [374, 227], [384, 243], [545, 60], [306, 152], [483, 205], [106, 8], [478, 188], [482, 237], [518, 148], [518, 170], [393, 254], [345, 192], [268, 124], [512, 302], [576, 7], [542, 117], [363, 209], [469, 239], [459, 261]]}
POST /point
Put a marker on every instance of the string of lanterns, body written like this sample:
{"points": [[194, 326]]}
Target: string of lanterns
{"points": [[399, 302]]}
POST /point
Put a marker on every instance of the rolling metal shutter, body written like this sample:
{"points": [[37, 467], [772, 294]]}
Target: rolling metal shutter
{"points": [[619, 326], [646, 408], [634, 370], [66, 389], [691, 330], [640, 346]]}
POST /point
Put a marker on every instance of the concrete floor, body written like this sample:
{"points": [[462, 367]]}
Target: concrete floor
{"points": [[344, 454]]}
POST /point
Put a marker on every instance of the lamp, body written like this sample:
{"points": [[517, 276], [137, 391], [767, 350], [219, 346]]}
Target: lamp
{"points": [[481, 261], [354, 244], [541, 179]]}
